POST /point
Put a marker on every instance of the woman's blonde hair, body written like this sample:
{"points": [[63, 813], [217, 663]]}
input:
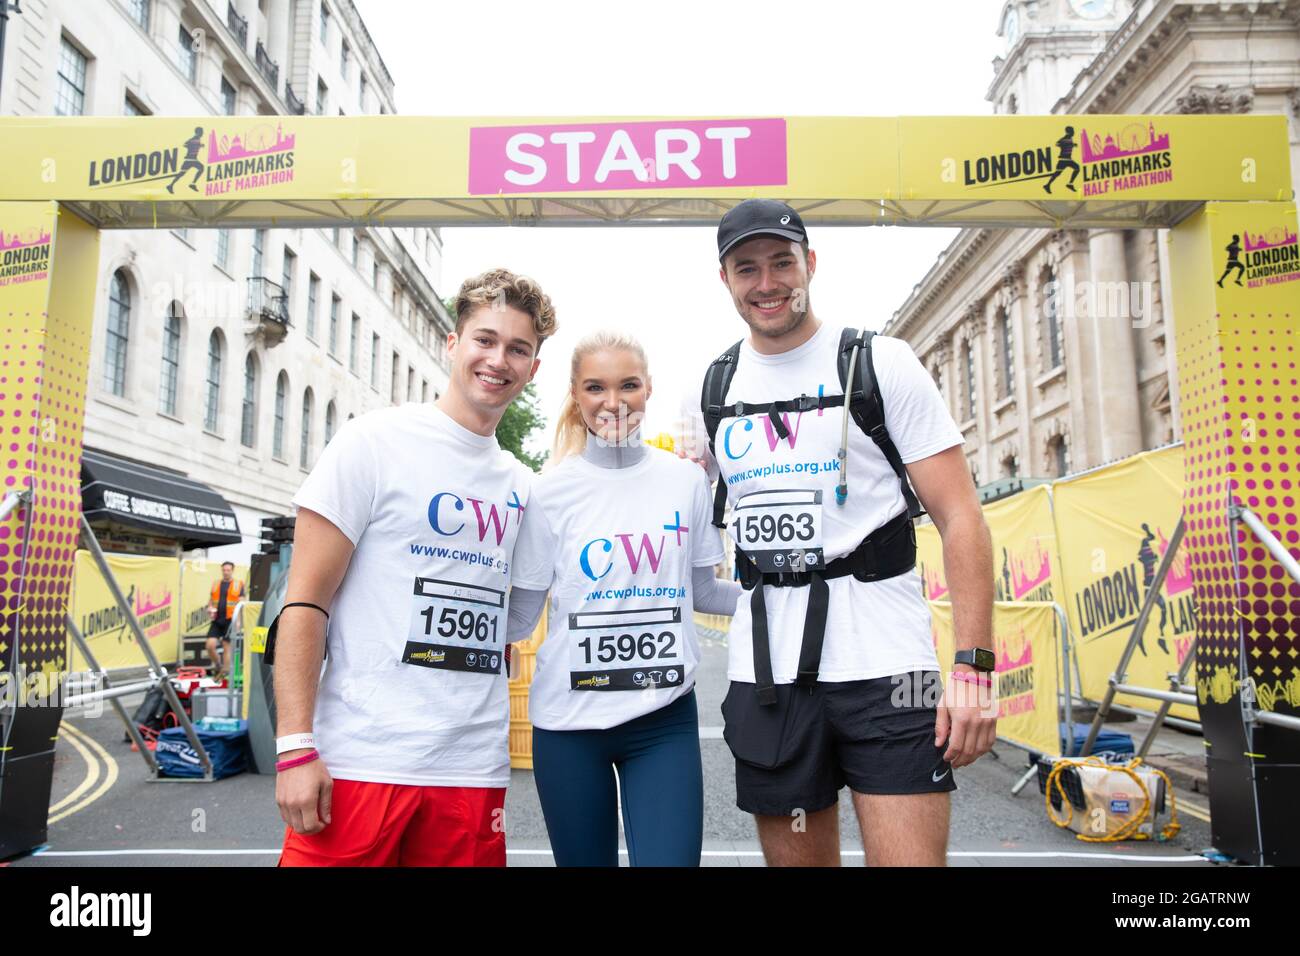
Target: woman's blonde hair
{"points": [[570, 429]]}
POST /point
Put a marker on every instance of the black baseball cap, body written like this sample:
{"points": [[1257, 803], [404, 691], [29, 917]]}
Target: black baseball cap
{"points": [[758, 217]]}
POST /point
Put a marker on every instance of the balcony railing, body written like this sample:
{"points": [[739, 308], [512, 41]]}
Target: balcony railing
{"points": [[268, 67], [267, 301], [296, 106], [238, 26]]}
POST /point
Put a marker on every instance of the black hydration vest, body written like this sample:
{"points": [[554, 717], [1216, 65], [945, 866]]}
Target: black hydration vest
{"points": [[888, 551]]}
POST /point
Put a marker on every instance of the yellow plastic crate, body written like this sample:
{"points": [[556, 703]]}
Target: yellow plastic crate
{"points": [[521, 745], [518, 703]]}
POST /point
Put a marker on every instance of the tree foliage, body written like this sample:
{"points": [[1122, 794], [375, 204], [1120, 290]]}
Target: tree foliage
{"points": [[520, 421]]}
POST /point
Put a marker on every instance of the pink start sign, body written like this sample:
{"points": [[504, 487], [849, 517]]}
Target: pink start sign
{"points": [[671, 154]]}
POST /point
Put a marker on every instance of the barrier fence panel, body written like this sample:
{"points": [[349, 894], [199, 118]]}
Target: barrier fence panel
{"points": [[1027, 643], [1113, 527]]}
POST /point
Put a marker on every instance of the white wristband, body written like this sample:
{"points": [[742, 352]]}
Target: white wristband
{"points": [[294, 742]]}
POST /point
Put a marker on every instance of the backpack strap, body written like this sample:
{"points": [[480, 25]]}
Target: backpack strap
{"points": [[868, 408], [712, 398]]}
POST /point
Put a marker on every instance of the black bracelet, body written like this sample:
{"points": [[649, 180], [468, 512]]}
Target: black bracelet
{"points": [[304, 604], [272, 632]]}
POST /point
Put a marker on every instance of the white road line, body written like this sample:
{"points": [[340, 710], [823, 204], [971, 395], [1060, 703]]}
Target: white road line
{"points": [[1005, 854]]}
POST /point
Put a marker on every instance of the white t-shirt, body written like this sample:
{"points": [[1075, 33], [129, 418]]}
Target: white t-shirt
{"points": [[413, 690], [616, 547], [873, 629]]}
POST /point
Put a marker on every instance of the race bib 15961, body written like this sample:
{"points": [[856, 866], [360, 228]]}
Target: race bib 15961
{"points": [[456, 626]]}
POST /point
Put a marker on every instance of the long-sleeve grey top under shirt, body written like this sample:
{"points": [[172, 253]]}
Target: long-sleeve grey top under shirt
{"points": [[711, 595]]}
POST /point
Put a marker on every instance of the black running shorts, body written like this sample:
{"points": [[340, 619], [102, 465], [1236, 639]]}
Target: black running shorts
{"points": [[876, 735]]}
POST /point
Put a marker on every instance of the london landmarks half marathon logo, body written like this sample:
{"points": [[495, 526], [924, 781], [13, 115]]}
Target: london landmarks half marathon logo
{"points": [[1112, 162], [24, 255], [1270, 257], [1111, 601], [261, 155]]}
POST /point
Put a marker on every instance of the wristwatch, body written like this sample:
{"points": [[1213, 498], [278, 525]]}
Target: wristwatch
{"points": [[980, 658]]}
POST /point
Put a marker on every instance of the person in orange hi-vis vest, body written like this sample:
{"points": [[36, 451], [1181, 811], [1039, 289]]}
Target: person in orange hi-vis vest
{"points": [[226, 593]]}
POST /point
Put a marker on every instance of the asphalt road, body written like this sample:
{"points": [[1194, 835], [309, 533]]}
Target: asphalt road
{"points": [[106, 812]]}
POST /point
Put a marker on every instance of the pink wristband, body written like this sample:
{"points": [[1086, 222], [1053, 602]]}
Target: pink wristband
{"points": [[982, 679], [296, 761]]}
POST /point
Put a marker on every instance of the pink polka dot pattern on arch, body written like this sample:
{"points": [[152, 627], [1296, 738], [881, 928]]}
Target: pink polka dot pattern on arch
{"points": [[1240, 409], [45, 367]]}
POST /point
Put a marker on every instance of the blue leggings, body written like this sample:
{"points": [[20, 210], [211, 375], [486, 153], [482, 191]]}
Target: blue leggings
{"points": [[657, 757]]}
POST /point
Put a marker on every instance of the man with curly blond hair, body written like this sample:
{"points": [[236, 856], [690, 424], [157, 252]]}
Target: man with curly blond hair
{"points": [[395, 754]]}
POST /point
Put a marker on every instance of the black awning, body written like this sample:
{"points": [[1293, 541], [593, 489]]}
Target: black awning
{"points": [[165, 503]]}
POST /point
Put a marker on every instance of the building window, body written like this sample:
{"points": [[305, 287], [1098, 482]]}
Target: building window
{"points": [[70, 86], [1006, 339], [212, 407], [424, 390], [228, 97], [361, 91], [354, 342], [304, 444], [396, 380], [186, 56], [968, 363], [335, 304], [346, 65], [1051, 318], [331, 420], [374, 360], [259, 243], [1060, 456], [286, 279], [356, 250], [223, 248], [410, 384], [139, 10], [374, 271], [313, 290], [132, 107], [169, 379], [322, 97], [119, 333], [1010, 466], [277, 433], [248, 414], [324, 24]]}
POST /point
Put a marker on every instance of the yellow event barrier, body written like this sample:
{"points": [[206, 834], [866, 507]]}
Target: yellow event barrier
{"points": [[1221, 184], [1027, 643], [1092, 544], [1113, 528], [151, 586]]}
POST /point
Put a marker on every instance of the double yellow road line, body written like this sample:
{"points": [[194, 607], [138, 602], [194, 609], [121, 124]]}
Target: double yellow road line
{"points": [[99, 763]]}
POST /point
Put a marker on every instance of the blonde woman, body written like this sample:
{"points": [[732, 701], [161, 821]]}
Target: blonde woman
{"points": [[619, 532]]}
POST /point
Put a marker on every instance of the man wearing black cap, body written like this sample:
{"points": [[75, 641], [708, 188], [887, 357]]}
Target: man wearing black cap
{"points": [[834, 676]]}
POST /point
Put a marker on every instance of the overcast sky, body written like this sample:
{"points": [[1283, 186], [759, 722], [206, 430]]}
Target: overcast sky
{"points": [[754, 58]]}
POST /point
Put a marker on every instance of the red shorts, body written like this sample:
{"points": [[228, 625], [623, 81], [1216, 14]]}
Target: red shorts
{"points": [[388, 824]]}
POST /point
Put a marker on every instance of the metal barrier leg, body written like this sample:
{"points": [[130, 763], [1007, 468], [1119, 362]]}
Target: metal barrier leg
{"points": [[1175, 685], [84, 646], [1139, 626], [1067, 694], [97, 553], [1020, 784]]}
